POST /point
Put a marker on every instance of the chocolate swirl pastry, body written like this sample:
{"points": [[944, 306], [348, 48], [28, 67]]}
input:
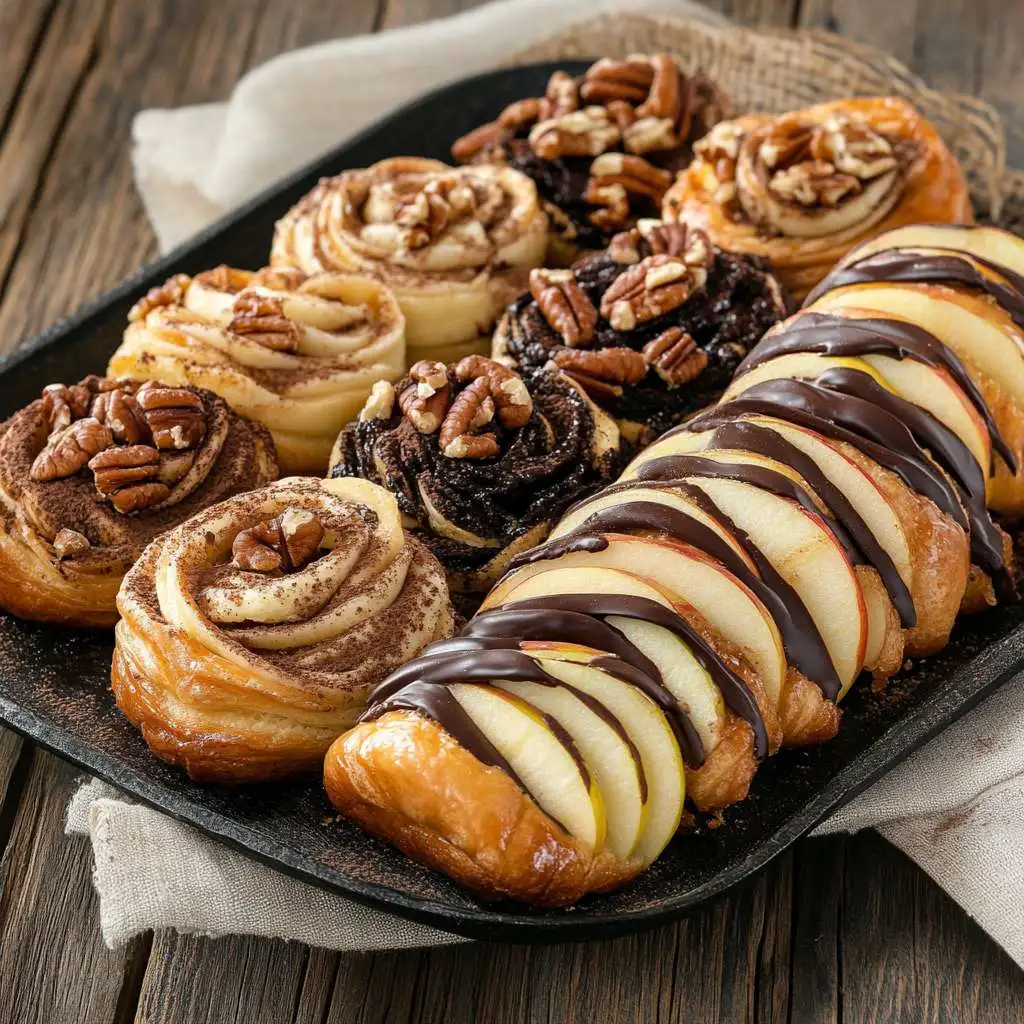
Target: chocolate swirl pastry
{"points": [[91, 473], [252, 633], [481, 460], [803, 188], [601, 149], [455, 244], [652, 329], [296, 353]]}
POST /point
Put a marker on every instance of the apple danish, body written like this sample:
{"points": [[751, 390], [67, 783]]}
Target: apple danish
{"points": [[296, 353], [804, 188], [827, 517], [252, 633], [455, 244], [90, 473]]}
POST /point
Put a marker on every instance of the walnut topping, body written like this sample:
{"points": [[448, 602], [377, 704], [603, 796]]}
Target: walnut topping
{"points": [[70, 544], [70, 449], [564, 305], [170, 293], [380, 403], [175, 416], [473, 408], [424, 401], [261, 318], [675, 357], [586, 132], [601, 372], [650, 289], [512, 400], [286, 543], [129, 477]]}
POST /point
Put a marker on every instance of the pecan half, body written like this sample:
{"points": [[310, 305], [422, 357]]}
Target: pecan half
{"points": [[522, 112], [129, 477], [424, 401], [675, 357], [70, 449], [261, 318], [62, 405], [561, 96], [617, 364], [691, 244], [813, 183], [564, 304], [119, 411], [665, 96], [480, 142], [175, 416], [586, 132], [223, 279], [70, 544], [635, 174], [720, 149], [512, 400], [380, 402], [473, 408], [650, 289], [170, 293], [612, 202], [649, 135], [608, 79], [286, 542]]}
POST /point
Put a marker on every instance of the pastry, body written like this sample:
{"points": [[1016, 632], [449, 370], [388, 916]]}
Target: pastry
{"points": [[251, 634], [804, 188], [653, 328], [455, 244], [601, 149], [481, 460], [827, 517], [298, 354], [91, 473]]}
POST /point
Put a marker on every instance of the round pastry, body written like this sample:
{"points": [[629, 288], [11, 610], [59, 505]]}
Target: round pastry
{"points": [[803, 188], [652, 329], [481, 460], [252, 633], [91, 473], [601, 149], [455, 244], [298, 354]]}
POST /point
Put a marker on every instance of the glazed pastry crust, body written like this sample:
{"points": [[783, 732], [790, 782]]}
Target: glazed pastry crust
{"points": [[402, 777], [934, 190]]}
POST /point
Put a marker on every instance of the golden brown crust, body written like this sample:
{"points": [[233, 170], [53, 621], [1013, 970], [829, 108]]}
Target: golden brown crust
{"points": [[727, 772], [808, 716], [404, 778]]}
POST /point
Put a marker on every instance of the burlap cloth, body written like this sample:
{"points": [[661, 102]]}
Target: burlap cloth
{"points": [[956, 807]]}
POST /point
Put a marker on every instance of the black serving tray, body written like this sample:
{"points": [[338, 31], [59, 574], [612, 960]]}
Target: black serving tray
{"points": [[54, 683]]}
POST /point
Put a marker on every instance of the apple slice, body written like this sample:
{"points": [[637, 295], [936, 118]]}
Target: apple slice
{"points": [[544, 764], [649, 730], [669, 572]]}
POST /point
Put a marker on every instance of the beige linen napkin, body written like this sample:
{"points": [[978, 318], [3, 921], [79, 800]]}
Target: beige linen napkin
{"points": [[956, 807]]}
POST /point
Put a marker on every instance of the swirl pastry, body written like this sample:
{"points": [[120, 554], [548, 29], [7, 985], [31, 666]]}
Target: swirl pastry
{"points": [[804, 188], [454, 244], [826, 518], [601, 149], [252, 633], [481, 460], [652, 328], [298, 354], [91, 473]]}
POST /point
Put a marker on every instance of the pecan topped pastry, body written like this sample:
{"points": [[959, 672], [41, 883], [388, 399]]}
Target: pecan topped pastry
{"points": [[455, 244], [252, 633], [601, 149], [803, 188], [90, 473], [296, 352], [481, 459], [651, 329]]}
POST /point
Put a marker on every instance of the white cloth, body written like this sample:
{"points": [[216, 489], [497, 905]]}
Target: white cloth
{"points": [[956, 808]]}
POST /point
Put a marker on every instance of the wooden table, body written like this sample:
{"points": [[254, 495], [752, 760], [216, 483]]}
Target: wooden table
{"points": [[842, 929]]}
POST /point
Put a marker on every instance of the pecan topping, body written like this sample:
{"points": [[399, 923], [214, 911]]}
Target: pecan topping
{"points": [[473, 408], [616, 365], [813, 183], [175, 416], [425, 215], [520, 113], [277, 279], [223, 279], [586, 132], [633, 173], [119, 411], [720, 149], [479, 142], [624, 248], [129, 477], [287, 542], [380, 403], [650, 289], [170, 293], [665, 96], [628, 80], [564, 305], [691, 244], [261, 318], [612, 201], [675, 357], [70, 544], [560, 97], [63, 405], [512, 400], [425, 400], [70, 449]]}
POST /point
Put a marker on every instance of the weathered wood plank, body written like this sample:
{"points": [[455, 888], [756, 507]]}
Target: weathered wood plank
{"points": [[22, 28], [395, 13], [777, 13]]}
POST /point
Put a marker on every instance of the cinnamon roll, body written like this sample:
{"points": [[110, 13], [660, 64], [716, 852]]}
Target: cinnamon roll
{"points": [[92, 472], [652, 329], [602, 148], [481, 460], [251, 634], [296, 353], [804, 188], [454, 244]]}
